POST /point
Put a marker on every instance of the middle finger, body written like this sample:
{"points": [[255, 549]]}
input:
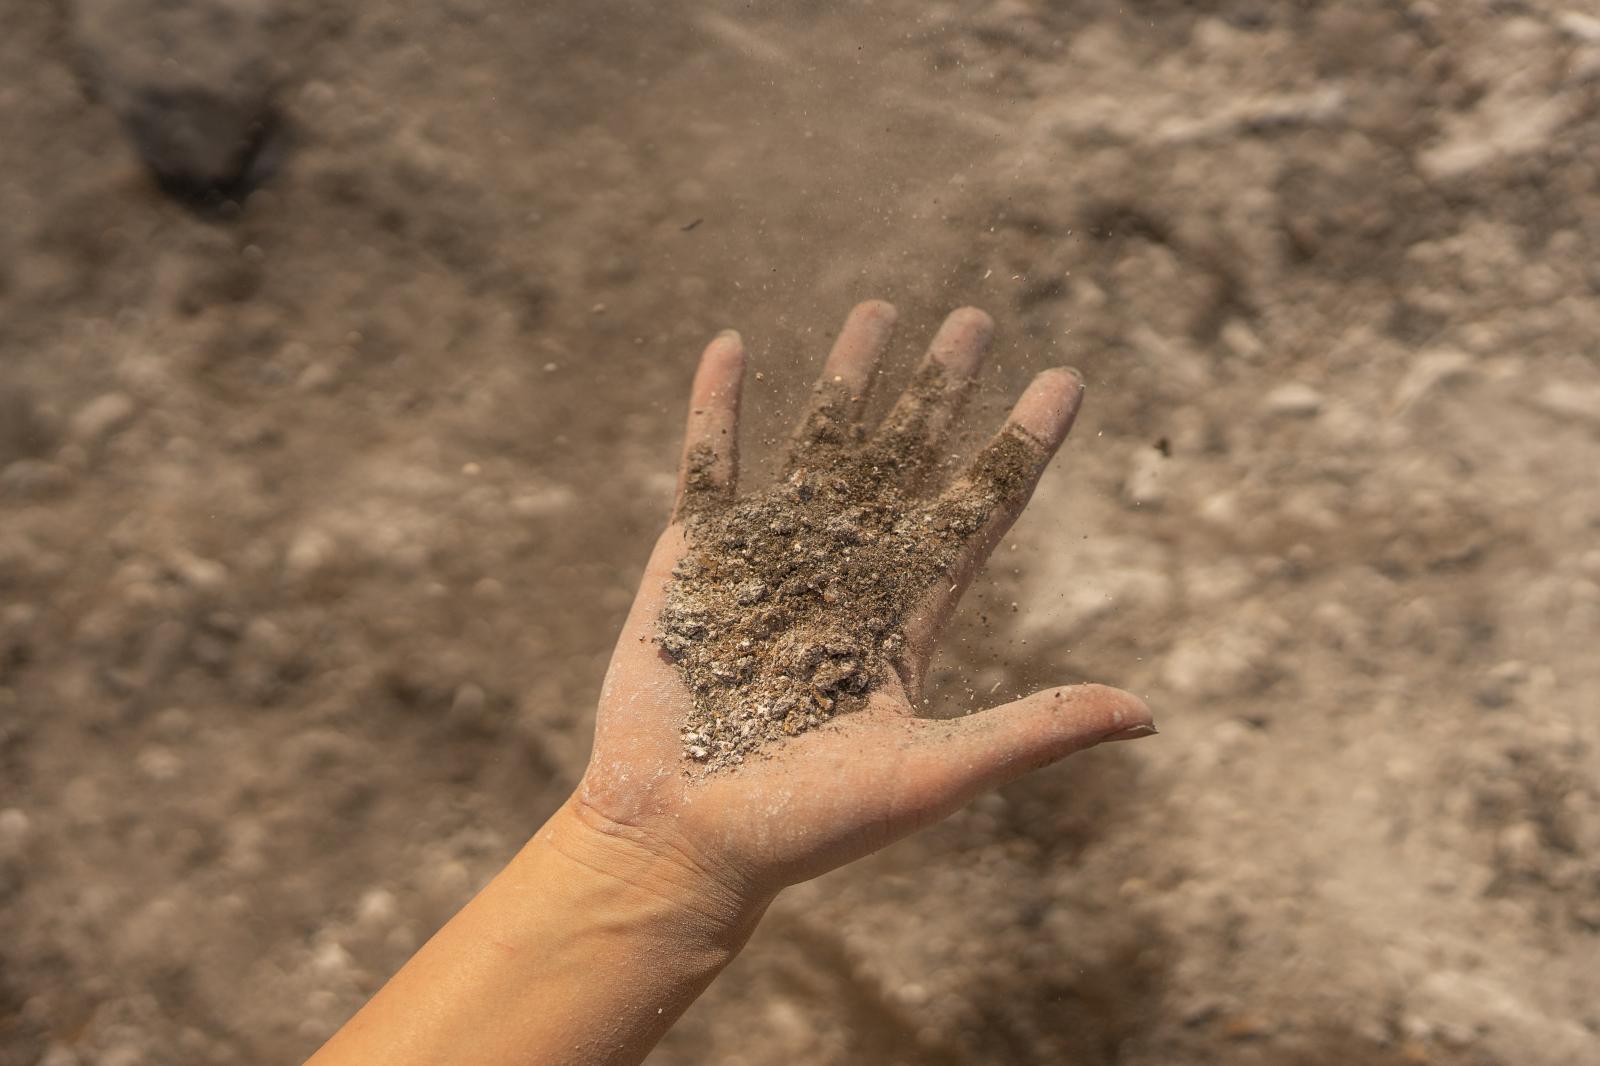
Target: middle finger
{"points": [[908, 440]]}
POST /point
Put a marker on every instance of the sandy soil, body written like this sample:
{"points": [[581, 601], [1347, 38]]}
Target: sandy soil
{"points": [[317, 519]]}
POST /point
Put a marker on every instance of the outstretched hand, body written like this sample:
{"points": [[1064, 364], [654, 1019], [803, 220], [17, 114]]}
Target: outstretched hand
{"points": [[635, 894], [866, 778]]}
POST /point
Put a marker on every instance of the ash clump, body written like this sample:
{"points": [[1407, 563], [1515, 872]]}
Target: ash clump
{"points": [[789, 605]]}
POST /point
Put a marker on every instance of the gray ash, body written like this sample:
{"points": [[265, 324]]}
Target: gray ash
{"points": [[788, 607]]}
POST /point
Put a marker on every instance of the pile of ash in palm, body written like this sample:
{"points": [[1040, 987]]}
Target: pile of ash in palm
{"points": [[789, 606]]}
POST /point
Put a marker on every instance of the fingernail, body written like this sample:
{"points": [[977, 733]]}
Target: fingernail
{"points": [[729, 335], [1133, 732]]}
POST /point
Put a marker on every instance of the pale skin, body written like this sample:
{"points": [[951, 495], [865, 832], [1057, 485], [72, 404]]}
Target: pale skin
{"points": [[626, 904]]}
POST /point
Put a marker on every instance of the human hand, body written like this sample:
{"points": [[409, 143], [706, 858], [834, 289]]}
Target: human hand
{"points": [[814, 801], [711, 788]]}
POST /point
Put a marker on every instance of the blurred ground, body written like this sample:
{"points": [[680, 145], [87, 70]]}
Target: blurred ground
{"points": [[317, 520]]}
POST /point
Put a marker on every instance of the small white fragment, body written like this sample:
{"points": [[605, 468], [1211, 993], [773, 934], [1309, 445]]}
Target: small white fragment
{"points": [[101, 418], [1294, 400]]}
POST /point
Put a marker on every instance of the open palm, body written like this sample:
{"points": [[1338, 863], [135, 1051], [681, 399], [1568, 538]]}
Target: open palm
{"points": [[868, 777]]}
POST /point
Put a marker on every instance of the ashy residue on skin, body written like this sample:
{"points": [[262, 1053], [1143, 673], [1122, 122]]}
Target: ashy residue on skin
{"points": [[789, 606]]}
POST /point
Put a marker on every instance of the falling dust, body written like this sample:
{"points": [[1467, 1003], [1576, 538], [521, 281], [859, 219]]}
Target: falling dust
{"points": [[789, 607]]}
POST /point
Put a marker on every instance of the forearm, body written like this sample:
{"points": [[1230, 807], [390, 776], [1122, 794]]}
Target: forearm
{"points": [[584, 949]]}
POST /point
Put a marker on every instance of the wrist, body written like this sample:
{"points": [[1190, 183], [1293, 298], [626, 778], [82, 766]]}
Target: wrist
{"points": [[583, 950], [659, 882]]}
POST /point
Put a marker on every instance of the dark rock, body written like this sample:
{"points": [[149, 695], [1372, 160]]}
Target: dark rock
{"points": [[34, 479], [194, 87]]}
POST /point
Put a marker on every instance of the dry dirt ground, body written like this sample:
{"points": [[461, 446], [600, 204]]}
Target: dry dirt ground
{"points": [[318, 517]]}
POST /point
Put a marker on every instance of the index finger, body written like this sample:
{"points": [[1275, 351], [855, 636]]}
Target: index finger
{"points": [[986, 500]]}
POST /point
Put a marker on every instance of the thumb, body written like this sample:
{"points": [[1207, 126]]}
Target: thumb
{"points": [[962, 757]]}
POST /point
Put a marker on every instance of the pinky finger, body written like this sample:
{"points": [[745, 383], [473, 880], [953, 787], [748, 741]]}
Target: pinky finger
{"points": [[708, 474]]}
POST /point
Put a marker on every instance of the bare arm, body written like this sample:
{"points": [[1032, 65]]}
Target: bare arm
{"points": [[584, 949], [627, 903]]}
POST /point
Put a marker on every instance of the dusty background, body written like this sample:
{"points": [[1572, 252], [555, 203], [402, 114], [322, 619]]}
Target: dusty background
{"points": [[318, 517]]}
